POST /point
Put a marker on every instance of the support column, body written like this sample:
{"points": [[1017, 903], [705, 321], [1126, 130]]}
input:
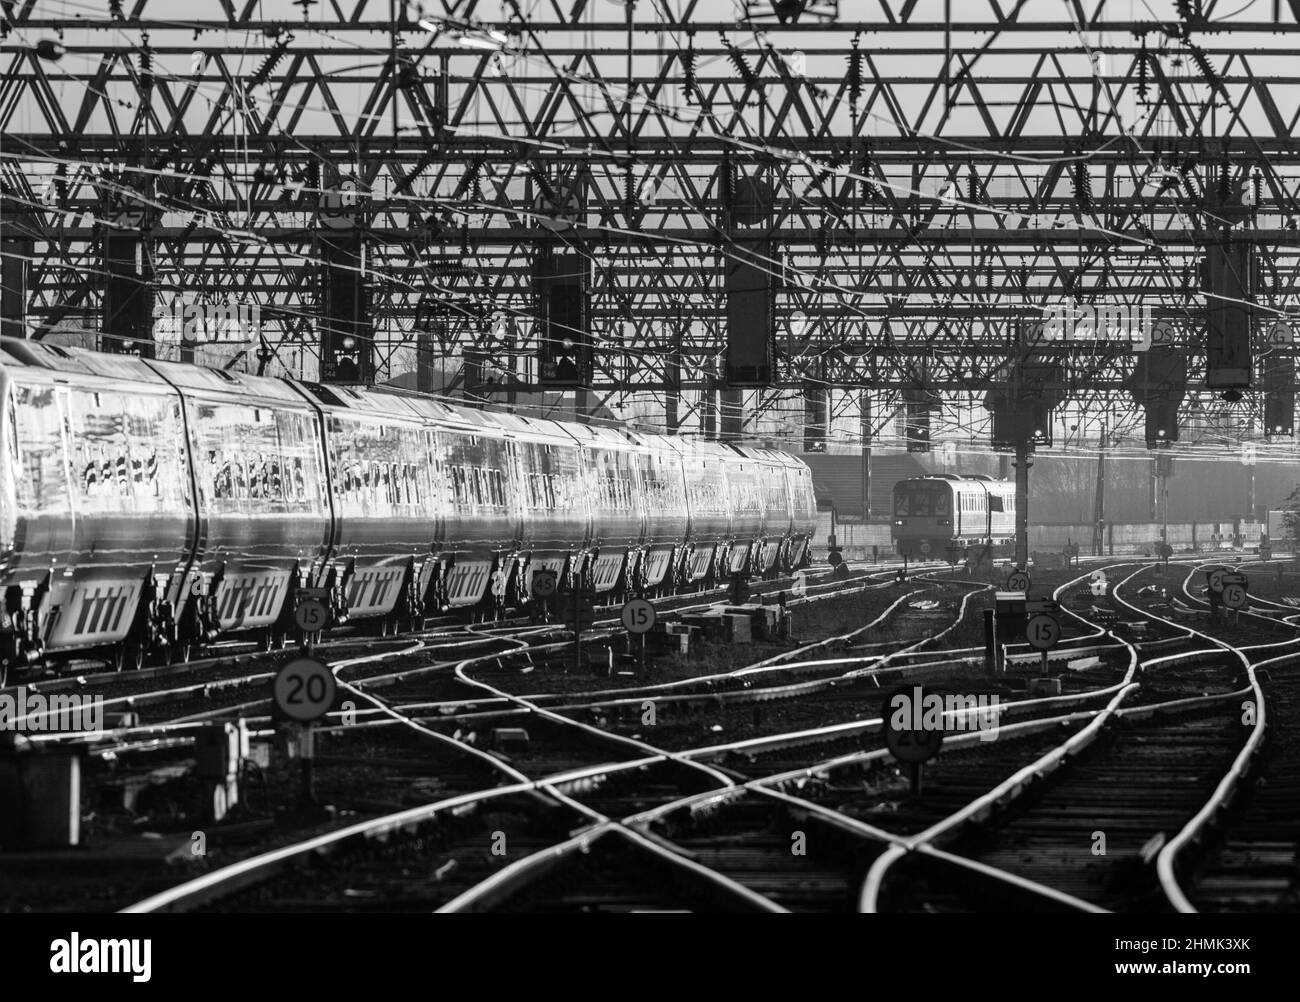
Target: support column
{"points": [[1023, 452], [582, 405], [126, 319], [673, 379], [814, 416], [15, 273], [1099, 500], [864, 402], [1154, 491], [709, 401]]}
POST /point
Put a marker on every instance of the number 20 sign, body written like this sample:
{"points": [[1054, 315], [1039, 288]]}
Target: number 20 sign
{"points": [[304, 690]]}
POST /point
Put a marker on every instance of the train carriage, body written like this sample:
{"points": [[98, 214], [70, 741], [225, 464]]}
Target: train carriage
{"points": [[556, 512], [485, 518], [663, 493], [946, 514], [100, 515], [152, 505], [777, 501], [618, 521], [803, 511], [265, 512], [745, 473], [708, 504], [388, 517]]}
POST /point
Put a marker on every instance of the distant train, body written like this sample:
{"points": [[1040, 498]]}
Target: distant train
{"points": [[935, 513], [147, 507]]}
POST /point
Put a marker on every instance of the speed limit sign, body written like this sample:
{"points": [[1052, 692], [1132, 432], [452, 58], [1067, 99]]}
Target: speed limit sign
{"points": [[1018, 581], [1216, 579], [545, 584], [1234, 595], [311, 615], [638, 616], [1043, 632], [304, 690], [925, 547]]}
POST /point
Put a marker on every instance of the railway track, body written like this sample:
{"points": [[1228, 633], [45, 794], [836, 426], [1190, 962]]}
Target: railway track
{"points": [[591, 800]]}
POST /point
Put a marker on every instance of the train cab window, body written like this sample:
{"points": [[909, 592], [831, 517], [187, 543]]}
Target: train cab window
{"points": [[942, 503]]}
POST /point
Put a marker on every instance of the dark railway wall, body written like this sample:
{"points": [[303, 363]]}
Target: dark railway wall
{"points": [[1062, 489]]}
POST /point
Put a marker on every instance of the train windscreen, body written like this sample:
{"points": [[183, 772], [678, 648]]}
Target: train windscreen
{"points": [[920, 502]]}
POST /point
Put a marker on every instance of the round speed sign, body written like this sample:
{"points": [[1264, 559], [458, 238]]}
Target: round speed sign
{"points": [[1042, 631], [305, 690], [311, 615], [545, 583], [1234, 596], [1018, 581], [638, 616]]}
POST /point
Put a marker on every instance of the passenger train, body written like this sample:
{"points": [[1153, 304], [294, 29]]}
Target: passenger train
{"points": [[946, 510], [147, 507]]}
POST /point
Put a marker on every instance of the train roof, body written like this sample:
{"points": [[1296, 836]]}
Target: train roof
{"points": [[958, 477]]}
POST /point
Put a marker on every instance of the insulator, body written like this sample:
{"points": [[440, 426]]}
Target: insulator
{"points": [[115, 10], [738, 60], [1225, 183], [545, 189], [1257, 186], [1188, 10], [972, 184], [728, 186], [263, 72], [867, 169], [688, 67], [1081, 181], [426, 158], [1143, 88], [854, 77], [1206, 67], [146, 66], [823, 237], [629, 188], [464, 240]]}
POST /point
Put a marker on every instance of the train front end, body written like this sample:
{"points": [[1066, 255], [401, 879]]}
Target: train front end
{"points": [[922, 523]]}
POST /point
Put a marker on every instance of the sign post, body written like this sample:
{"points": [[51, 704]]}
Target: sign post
{"points": [[303, 691], [638, 617], [1235, 592], [311, 615], [909, 734], [544, 585], [1043, 630], [580, 615]]}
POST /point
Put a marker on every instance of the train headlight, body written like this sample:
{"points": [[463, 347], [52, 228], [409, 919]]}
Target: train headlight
{"points": [[900, 521]]}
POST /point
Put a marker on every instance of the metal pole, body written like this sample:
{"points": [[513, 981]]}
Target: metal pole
{"points": [[1099, 500], [865, 405], [1022, 504]]}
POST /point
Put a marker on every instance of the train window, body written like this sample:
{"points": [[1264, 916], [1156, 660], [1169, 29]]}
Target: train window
{"points": [[942, 503]]}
